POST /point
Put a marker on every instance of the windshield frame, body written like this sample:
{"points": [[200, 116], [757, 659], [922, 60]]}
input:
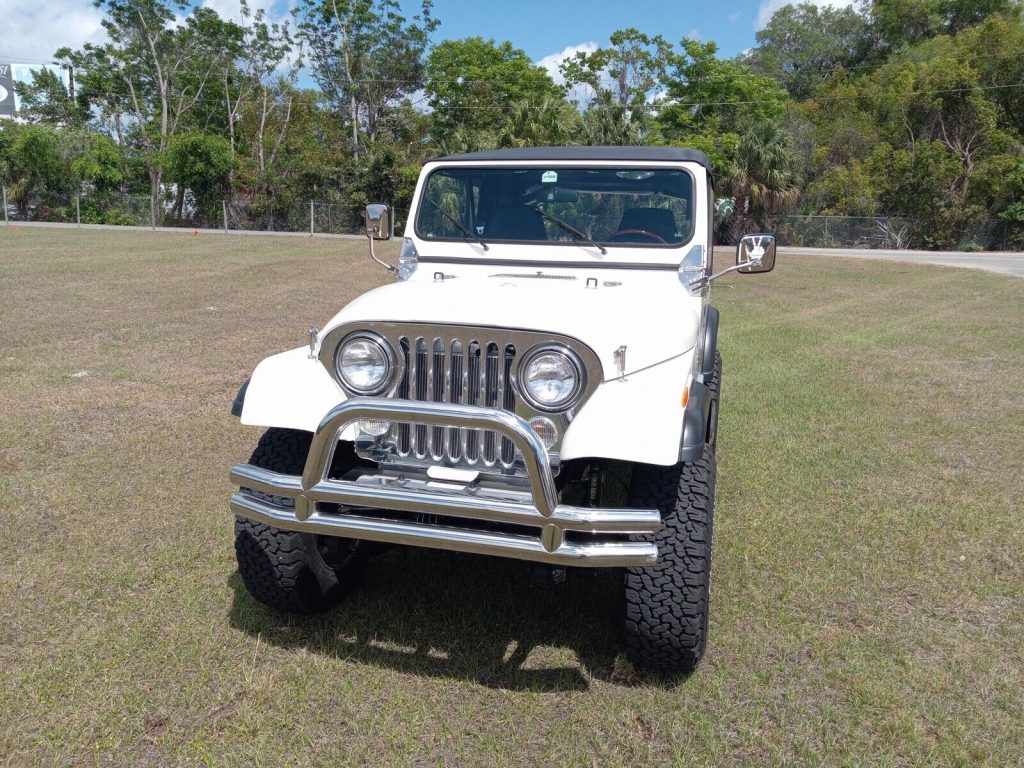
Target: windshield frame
{"points": [[558, 166]]}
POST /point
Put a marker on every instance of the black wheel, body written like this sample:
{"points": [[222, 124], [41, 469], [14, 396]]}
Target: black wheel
{"points": [[290, 571], [666, 617]]}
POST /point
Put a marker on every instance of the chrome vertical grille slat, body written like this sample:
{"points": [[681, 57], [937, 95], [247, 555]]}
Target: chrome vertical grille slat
{"points": [[472, 446], [439, 374], [490, 395], [403, 437], [461, 371], [455, 396], [422, 376], [508, 403]]}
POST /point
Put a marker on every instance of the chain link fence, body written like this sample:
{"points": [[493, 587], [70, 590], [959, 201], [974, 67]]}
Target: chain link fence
{"points": [[307, 216], [121, 209], [330, 217], [885, 232]]}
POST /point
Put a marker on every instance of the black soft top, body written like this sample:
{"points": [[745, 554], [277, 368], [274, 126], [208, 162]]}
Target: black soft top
{"points": [[554, 154]]}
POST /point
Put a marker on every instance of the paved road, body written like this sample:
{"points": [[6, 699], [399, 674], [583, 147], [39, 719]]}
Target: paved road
{"points": [[1004, 262]]}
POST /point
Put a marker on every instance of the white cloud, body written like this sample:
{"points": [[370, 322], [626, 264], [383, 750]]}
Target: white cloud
{"points": [[275, 11], [768, 7], [735, 16], [35, 30], [551, 62]]}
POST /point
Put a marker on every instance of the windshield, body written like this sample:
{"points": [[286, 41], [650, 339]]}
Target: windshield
{"points": [[589, 207]]}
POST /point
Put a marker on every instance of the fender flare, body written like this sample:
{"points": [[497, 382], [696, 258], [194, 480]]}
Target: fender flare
{"points": [[697, 426], [239, 403], [709, 341]]}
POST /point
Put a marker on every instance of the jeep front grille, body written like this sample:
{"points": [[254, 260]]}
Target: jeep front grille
{"points": [[466, 372]]}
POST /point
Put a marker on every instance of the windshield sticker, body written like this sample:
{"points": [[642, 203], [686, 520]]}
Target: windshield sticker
{"points": [[549, 177]]}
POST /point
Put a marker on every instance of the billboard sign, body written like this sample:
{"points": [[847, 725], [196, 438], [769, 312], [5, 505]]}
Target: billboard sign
{"points": [[6, 90]]}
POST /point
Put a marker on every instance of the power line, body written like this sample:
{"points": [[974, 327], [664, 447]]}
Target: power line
{"points": [[503, 106]]}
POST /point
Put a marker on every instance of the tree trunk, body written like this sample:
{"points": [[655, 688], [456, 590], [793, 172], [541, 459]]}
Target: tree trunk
{"points": [[154, 195], [179, 200]]}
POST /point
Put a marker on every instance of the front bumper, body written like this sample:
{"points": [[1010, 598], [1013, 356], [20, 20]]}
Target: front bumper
{"points": [[527, 524]]}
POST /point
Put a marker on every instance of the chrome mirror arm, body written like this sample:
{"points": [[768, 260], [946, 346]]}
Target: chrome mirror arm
{"points": [[373, 255], [703, 281]]}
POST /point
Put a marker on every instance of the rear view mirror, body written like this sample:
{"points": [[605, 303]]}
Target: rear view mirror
{"points": [[755, 254], [379, 221], [559, 195]]}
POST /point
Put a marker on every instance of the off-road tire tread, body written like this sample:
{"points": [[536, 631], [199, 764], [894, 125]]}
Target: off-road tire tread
{"points": [[714, 385], [714, 382], [666, 611], [279, 568]]}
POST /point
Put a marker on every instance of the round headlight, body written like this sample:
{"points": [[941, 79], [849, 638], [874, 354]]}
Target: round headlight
{"points": [[551, 379], [364, 364]]}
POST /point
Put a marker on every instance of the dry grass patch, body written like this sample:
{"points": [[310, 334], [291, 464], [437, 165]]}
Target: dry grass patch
{"points": [[869, 582]]}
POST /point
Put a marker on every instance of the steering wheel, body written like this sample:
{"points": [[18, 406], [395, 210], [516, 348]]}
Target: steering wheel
{"points": [[652, 235]]}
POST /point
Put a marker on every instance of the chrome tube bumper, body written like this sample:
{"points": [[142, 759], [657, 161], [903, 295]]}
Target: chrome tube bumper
{"points": [[596, 537]]}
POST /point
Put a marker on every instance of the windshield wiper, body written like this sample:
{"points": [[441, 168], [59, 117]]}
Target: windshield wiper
{"points": [[459, 225], [570, 229]]}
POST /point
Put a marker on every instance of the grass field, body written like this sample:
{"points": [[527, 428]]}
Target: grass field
{"points": [[869, 563]]}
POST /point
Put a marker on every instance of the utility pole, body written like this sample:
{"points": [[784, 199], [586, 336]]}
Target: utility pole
{"points": [[71, 77]]}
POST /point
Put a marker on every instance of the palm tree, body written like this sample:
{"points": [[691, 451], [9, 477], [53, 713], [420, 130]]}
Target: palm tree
{"points": [[607, 122], [759, 177], [550, 121]]}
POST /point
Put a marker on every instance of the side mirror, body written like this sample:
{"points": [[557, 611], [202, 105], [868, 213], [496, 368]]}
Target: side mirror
{"points": [[379, 225], [755, 254], [379, 221]]}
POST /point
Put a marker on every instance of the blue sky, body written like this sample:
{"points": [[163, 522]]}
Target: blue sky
{"points": [[546, 29]]}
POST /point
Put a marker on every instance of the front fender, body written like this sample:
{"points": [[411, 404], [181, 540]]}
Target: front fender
{"points": [[290, 390], [638, 419]]}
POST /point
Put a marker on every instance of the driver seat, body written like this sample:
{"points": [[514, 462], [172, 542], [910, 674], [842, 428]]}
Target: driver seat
{"points": [[657, 221]]}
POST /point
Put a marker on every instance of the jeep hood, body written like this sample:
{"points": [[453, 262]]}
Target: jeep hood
{"points": [[655, 320]]}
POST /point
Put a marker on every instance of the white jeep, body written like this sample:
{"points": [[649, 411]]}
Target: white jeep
{"points": [[540, 383]]}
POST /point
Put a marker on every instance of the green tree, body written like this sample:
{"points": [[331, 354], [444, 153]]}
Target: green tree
{"points": [[202, 164], [715, 105], [802, 44], [902, 22], [46, 100], [705, 94], [100, 165], [36, 171], [251, 79], [759, 176], [471, 83], [153, 74], [551, 121], [365, 56], [606, 122], [629, 72]]}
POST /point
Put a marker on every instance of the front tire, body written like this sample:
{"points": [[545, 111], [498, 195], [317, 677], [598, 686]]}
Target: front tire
{"points": [[666, 616], [287, 570]]}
